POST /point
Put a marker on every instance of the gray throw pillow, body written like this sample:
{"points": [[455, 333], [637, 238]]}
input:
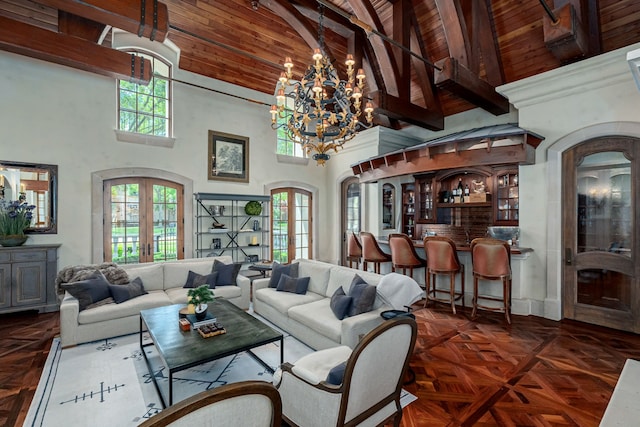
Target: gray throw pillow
{"points": [[340, 303], [195, 280], [363, 294], [89, 291], [294, 285], [277, 270], [336, 374], [122, 293], [227, 273]]}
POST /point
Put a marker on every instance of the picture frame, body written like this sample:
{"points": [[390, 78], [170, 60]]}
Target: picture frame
{"points": [[228, 158]]}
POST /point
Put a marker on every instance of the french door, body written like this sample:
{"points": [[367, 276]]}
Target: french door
{"points": [[143, 221], [600, 239], [351, 209], [291, 224]]}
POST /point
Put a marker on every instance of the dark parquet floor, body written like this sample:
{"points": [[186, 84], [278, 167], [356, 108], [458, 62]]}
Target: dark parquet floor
{"points": [[535, 372]]}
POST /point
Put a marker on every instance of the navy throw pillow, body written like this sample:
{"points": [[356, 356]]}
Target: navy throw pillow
{"points": [[277, 270], [89, 291], [336, 374], [340, 303], [195, 280], [363, 294], [122, 293], [227, 273], [294, 285]]}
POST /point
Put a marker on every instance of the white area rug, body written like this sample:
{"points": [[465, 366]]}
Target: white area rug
{"points": [[107, 383]]}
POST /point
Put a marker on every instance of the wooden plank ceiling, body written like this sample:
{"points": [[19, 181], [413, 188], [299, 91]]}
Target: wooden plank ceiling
{"points": [[462, 49]]}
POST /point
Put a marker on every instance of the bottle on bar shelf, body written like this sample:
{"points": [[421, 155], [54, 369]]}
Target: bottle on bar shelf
{"points": [[460, 192]]}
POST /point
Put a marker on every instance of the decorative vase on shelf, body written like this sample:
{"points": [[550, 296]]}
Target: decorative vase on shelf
{"points": [[13, 240]]}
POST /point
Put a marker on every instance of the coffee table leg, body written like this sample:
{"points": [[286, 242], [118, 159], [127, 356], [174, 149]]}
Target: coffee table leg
{"points": [[170, 387], [281, 350]]}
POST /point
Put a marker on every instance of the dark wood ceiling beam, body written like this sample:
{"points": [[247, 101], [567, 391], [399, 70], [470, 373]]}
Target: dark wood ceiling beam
{"points": [[455, 30], [484, 34], [399, 109], [123, 14], [78, 26], [424, 72], [567, 38], [458, 80], [402, 34], [28, 40]]}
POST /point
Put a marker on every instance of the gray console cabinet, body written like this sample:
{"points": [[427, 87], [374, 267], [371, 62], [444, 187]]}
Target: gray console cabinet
{"points": [[27, 278]]}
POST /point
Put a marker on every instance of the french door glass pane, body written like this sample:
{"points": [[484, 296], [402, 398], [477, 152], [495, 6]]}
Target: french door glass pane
{"points": [[165, 206], [605, 214], [353, 207], [280, 227], [604, 288], [125, 227], [302, 225]]}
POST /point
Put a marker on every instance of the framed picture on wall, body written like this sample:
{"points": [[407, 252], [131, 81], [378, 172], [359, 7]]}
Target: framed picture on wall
{"points": [[228, 158]]}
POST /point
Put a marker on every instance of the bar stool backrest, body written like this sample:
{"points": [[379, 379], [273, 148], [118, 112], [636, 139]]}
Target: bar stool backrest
{"points": [[403, 252], [442, 254], [354, 248], [491, 258], [371, 251]]}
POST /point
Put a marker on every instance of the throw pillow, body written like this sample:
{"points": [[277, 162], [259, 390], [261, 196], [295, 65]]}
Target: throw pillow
{"points": [[122, 293], [195, 280], [336, 374], [340, 303], [279, 269], [294, 285], [227, 273], [363, 294], [90, 290]]}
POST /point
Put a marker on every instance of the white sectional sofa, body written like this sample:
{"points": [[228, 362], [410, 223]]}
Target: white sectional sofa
{"points": [[164, 283], [309, 317]]}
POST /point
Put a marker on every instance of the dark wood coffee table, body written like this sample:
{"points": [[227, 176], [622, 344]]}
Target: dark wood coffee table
{"points": [[180, 350]]}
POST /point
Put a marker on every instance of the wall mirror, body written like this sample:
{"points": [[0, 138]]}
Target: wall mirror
{"points": [[36, 184]]}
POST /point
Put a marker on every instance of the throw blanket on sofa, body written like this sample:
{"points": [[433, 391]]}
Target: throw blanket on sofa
{"points": [[112, 272], [399, 291]]}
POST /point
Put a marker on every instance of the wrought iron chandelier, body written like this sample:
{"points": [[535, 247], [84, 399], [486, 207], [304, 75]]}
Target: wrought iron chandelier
{"points": [[323, 111]]}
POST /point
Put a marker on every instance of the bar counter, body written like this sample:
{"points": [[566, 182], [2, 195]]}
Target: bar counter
{"points": [[523, 289]]}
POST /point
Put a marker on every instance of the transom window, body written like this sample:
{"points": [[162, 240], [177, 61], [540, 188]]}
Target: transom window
{"points": [[146, 109]]}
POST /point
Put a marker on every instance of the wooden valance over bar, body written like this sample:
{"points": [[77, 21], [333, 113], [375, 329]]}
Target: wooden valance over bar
{"points": [[487, 146]]}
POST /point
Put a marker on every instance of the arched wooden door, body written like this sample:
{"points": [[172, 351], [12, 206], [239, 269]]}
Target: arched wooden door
{"points": [[600, 240], [291, 221], [351, 211]]}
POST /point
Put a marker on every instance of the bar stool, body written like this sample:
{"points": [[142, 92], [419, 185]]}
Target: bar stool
{"points": [[403, 254], [371, 252], [491, 259], [354, 250], [442, 258]]}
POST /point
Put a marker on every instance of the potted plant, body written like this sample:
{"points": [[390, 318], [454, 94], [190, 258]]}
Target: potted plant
{"points": [[199, 297], [15, 218]]}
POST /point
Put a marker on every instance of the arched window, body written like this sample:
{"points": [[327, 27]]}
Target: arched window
{"points": [[147, 109]]}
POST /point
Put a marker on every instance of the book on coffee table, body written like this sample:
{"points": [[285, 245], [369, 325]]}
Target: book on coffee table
{"points": [[211, 330]]}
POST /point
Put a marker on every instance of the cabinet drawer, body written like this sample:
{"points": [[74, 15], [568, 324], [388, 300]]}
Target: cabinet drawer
{"points": [[5, 256], [27, 255]]}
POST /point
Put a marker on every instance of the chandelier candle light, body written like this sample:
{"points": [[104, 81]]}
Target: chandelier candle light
{"points": [[324, 111]]}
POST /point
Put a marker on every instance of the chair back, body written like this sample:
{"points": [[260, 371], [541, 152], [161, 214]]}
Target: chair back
{"points": [[247, 403], [442, 254], [403, 252], [371, 250], [354, 248], [375, 371], [491, 258]]}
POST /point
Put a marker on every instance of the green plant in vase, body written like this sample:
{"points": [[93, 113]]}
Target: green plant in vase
{"points": [[200, 297], [15, 218]]}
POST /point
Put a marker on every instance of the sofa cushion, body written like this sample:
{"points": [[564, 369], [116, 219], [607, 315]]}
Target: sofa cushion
{"points": [[283, 301], [291, 284], [340, 303], [319, 273], [89, 291], [279, 269], [179, 295], [151, 274], [176, 273], [317, 315], [343, 276], [227, 273], [122, 293], [363, 295], [128, 308], [194, 280], [336, 374]]}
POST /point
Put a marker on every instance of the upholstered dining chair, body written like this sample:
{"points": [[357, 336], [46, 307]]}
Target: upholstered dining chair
{"points": [[368, 393], [371, 252], [403, 254], [442, 259], [354, 250], [491, 259], [246, 403]]}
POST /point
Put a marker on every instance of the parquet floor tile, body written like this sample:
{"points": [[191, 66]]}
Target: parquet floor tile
{"points": [[535, 372]]}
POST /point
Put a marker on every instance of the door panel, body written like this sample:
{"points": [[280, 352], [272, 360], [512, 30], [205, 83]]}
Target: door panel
{"points": [[291, 224], [351, 202], [600, 257]]}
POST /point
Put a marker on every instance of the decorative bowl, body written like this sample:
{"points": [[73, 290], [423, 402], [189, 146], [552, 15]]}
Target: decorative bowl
{"points": [[504, 232]]}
